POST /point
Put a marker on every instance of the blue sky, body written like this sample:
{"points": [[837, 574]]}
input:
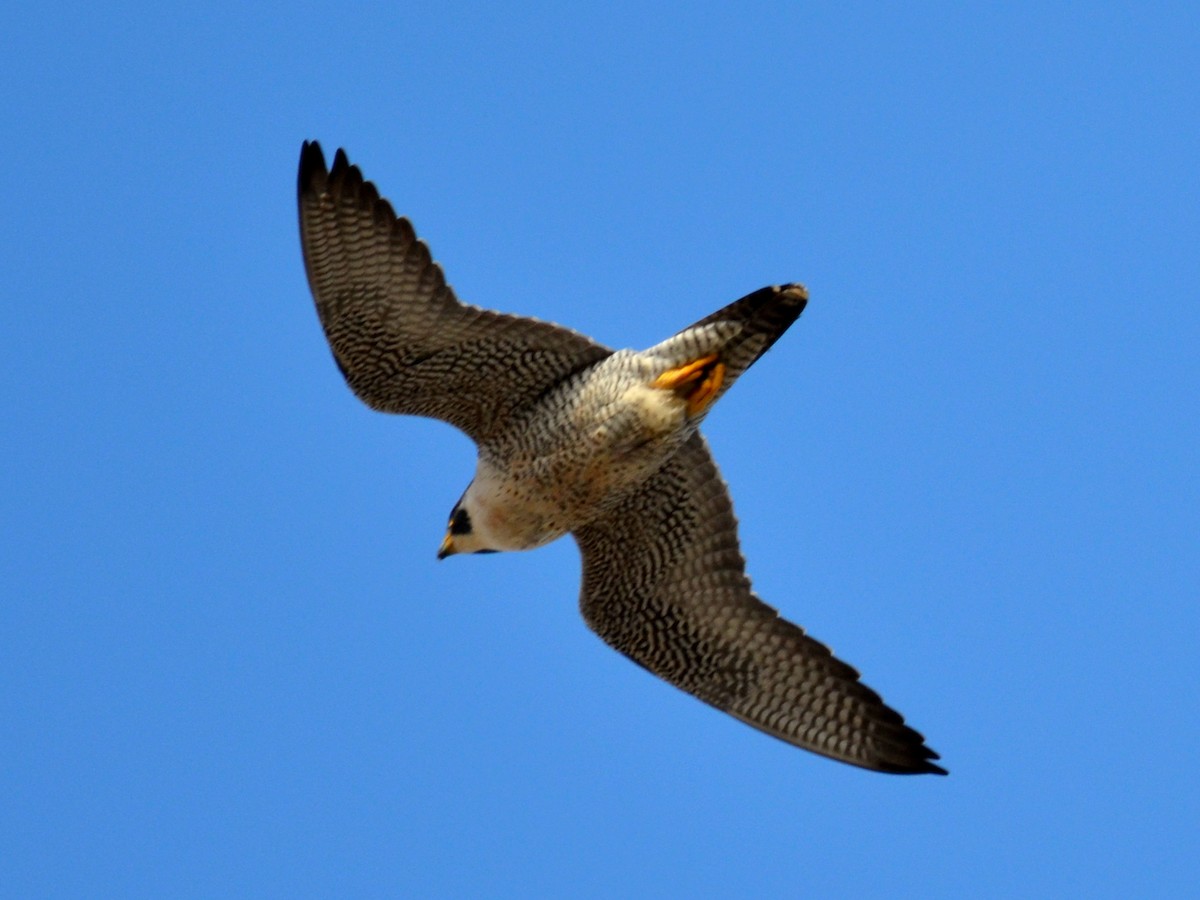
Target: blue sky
{"points": [[229, 661]]}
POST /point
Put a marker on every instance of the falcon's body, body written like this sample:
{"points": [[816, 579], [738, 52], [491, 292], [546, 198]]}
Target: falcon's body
{"points": [[591, 440], [574, 438]]}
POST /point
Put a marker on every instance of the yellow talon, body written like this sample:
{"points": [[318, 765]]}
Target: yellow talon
{"points": [[679, 378], [696, 382], [706, 392]]}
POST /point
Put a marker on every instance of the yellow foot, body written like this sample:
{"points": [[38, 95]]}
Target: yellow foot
{"points": [[696, 382]]}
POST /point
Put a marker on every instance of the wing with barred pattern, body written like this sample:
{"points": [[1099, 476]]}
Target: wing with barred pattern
{"points": [[399, 335], [664, 583]]}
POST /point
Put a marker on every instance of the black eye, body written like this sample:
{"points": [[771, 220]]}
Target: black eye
{"points": [[460, 522]]}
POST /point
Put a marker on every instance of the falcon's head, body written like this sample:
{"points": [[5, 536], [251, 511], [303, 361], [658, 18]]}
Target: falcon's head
{"points": [[461, 534]]}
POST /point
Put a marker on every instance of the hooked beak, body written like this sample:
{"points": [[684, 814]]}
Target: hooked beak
{"points": [[447, 548]]}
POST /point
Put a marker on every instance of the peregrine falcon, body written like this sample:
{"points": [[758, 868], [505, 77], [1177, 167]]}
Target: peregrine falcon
{"points": [[576, 438]]}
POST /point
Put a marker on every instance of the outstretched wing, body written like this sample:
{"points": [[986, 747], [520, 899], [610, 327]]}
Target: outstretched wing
{"points": [[399, 335], [664, 582]]}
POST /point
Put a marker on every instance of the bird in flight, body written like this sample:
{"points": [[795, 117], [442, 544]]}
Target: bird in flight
{"points": [[575, 438]]}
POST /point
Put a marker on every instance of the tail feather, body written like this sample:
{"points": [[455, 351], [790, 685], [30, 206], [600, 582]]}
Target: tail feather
{"points": [[765, 314], [760, 318]]}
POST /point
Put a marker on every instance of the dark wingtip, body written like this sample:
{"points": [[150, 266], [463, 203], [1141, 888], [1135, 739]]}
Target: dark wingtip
{"points": [[919, 761], [912, 767], [900, 750], [923, 766], [927, 768], [341, 162], [312, 167]]}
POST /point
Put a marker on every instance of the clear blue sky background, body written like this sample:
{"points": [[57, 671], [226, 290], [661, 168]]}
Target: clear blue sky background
{"points": [[230, 663]]}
